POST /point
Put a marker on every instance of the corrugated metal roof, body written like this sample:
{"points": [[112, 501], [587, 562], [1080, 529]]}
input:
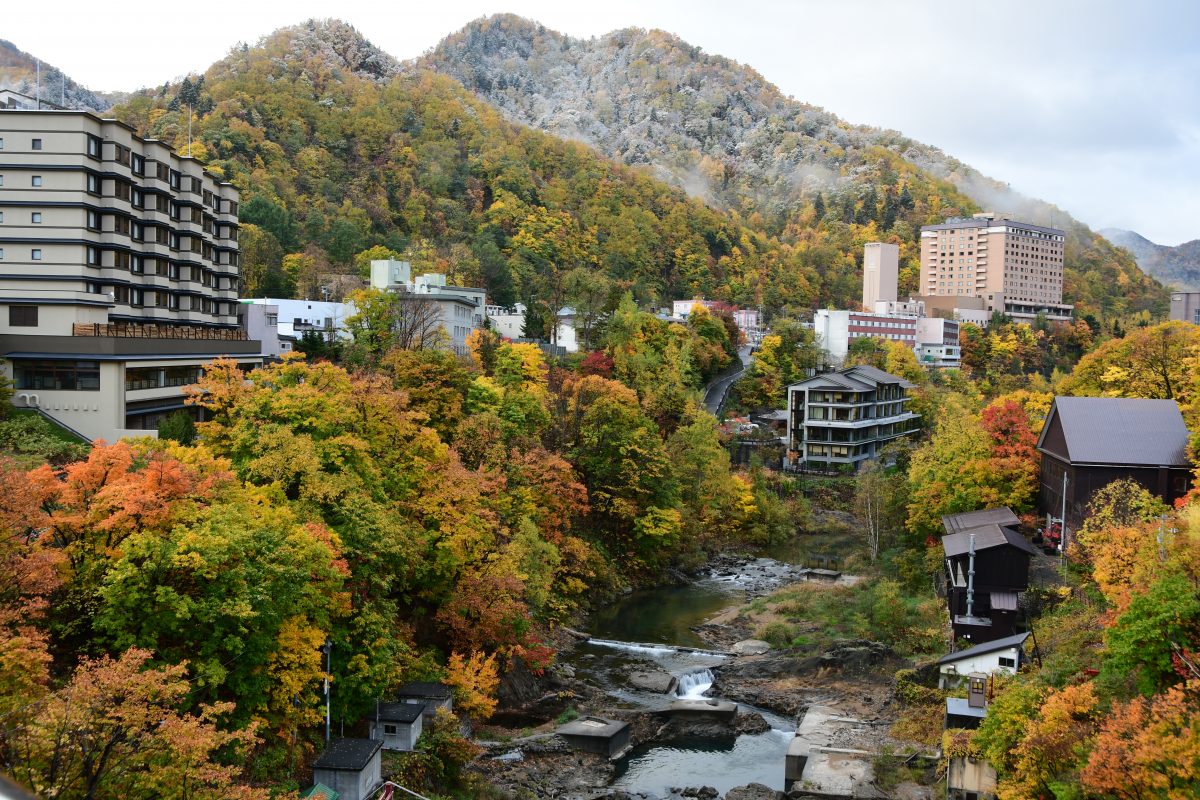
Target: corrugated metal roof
{"points": [[1120, 430], [986, 537], [1003, 516], [351, 754], [1016, 640], [399, 712]]}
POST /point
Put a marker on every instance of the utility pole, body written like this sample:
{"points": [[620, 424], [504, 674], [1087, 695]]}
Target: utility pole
{"points": [[1062, 540], [328, 648]]}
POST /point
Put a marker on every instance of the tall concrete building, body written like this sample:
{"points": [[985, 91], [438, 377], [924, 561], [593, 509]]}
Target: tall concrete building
{"points": [[118, 272], [1015, 268], [1185, 307], [881, 273]]}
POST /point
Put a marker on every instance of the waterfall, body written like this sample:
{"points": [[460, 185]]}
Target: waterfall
{"points": [[634, 648], [695, 684]]}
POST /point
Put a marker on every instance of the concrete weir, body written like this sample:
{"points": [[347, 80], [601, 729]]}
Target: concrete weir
{"points": [[819, 769]]}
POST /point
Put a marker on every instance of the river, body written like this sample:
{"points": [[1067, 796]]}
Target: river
{"points": [[665, 616]]}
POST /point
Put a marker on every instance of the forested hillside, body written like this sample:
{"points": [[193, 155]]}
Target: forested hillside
{"points": [[338, 149], [1177, 267], [19, 72], [724, 133]]}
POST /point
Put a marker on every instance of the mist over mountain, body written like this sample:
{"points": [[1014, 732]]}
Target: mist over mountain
{"points": [[1177, 267], [720, 130], [19, 72]]}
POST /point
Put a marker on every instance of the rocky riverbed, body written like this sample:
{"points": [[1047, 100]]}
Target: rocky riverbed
{"points": [[635, 684]]}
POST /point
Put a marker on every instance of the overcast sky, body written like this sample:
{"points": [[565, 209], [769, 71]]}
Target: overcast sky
{"points": [[1090, 104]]}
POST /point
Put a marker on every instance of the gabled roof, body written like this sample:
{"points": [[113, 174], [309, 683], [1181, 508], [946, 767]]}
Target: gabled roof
{"points": [[399, 712], [1003, 516], [1118, 430], [861, 378], [986, 537], [1016, 640], [867, 372], [348, 754], [320, 792], [424, 689]]}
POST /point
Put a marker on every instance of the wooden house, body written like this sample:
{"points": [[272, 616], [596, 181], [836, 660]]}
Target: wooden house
{"points": [[430, 696], [1004, 655], [1093, 441], [350, 767], [983, 606]]}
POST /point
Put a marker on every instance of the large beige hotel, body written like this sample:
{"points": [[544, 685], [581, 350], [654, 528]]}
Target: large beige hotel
{"points": [[1001, 264], [118, 272]]}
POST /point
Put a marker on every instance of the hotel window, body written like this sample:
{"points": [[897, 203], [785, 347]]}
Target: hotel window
{"points": [[137, 232], [93, 256], [121, 294], [36, 144], [93, 146], [138, 266], [23, 316], [58, 375], [1, 142], [35, 254], [93, 184], [36, 218], [1, 216], [36, 180], [93, 221], [139, 165], [138, 199]]}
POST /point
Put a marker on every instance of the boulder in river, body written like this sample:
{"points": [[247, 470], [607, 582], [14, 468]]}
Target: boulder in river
{"points": [[750, 647], [755, 791], [660, 682]]}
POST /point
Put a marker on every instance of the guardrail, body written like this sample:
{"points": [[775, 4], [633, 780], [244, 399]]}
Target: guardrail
{"points": [[119, 331]]}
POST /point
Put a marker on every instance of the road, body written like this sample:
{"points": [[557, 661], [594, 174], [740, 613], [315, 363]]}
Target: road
{"points": [[714, 394]]}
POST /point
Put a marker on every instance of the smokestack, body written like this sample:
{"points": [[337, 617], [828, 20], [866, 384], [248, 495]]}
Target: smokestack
{"points": [[971, 576]]}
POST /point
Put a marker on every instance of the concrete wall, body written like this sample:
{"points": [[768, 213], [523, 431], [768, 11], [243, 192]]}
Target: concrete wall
{"points": [[881, 271]]}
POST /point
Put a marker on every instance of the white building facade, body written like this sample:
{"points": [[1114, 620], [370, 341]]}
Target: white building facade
{"points": [[119, 269]]}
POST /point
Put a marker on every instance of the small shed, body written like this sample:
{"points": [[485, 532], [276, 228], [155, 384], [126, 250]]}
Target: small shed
{"points": [[350, 767], [398, 725], [606, 737], [999, 655], [430, 696]]}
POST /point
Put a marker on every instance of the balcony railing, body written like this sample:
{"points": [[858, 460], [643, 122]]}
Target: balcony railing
{"points": [[125, 331]]}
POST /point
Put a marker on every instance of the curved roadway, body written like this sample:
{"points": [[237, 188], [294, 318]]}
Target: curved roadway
{"points": [[714, 394]]}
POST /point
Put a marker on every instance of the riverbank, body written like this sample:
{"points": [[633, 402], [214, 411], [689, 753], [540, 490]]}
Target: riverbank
{"points": [[617, 679]]}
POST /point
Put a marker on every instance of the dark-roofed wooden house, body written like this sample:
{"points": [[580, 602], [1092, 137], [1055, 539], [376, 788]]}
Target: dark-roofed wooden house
{"points": [[1094, 441], [430, 696], [350, 767], [983, 606]]}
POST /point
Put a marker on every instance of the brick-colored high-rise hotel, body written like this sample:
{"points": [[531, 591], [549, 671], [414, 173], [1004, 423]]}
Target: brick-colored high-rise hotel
{"points": [[1012, 267]]}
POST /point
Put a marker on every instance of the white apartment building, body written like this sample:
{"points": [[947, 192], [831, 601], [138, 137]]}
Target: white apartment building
{"points": [[119, 269], [510, 324], [460, 308], [938, 343], [836, 329], [881, 273], [1015, 267]]}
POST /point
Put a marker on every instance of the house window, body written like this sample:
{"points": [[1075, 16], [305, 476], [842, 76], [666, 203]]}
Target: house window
{"points": [[23, 316], [36, 180], [35, 254], [389, 730], [1011, 663], [36, 144]]}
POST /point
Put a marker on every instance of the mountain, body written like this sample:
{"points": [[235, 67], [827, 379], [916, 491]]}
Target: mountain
{"points": [[338, 147], [18, 71], [725, 134], [1177, 267]]}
